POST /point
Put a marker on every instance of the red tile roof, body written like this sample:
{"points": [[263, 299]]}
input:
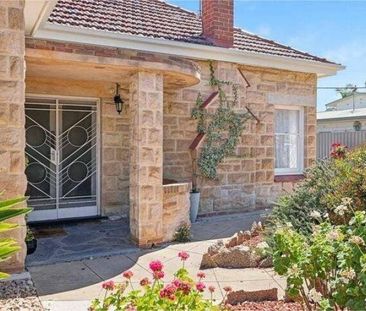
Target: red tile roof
{"points": [[158, 19]]}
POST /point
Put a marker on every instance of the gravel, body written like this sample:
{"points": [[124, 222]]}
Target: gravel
{"points": [[19, 295]]}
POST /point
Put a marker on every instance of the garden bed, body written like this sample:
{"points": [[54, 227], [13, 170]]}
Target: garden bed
{"points": [[267, 306], [246, 249]]}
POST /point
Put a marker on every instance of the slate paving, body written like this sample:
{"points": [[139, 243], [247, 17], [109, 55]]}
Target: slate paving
{"points": [[80, 240], [73, 284], [104, 237]]}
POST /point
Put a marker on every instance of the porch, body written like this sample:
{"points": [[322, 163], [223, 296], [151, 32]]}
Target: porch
{"points": [[117, 168]]}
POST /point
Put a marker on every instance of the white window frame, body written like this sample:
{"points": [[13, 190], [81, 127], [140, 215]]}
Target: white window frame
{"points": [[300, 142]]}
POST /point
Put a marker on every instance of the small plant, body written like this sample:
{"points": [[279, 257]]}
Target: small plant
{"points": [[181, 294], [30, 235], [8, 210], [183, 234]]}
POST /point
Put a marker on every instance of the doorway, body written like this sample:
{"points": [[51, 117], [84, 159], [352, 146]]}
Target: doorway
{"points": [[62, 154]]}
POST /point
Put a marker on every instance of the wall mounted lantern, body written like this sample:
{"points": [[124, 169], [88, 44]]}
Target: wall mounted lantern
{"points": [[118, 101]]}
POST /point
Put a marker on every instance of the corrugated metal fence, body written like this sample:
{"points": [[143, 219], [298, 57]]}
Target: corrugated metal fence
{"points": [[348, 138]]}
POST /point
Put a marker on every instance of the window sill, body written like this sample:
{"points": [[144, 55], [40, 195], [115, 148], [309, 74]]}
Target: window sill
{"points": [[289, 178]]}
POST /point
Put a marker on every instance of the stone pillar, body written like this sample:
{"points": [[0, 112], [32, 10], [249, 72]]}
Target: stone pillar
{"points": [[146, 158], [12, 134]]}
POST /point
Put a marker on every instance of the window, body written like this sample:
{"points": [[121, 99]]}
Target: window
{"points": [[289, 140]]}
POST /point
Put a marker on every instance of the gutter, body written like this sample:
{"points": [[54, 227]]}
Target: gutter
{"points": [[194, 51]]}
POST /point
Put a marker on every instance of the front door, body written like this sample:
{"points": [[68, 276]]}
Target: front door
{"points": [[62, 158]]}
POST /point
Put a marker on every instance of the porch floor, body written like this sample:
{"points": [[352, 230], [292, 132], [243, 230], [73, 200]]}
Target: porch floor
{"points": [[80, 240], [104, 237]]}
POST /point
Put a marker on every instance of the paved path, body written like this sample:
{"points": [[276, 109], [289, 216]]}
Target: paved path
{"points": [[71, 285]]}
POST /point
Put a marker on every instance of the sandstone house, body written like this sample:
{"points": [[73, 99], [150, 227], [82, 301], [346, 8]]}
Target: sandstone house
{"points": [[68, 142]]}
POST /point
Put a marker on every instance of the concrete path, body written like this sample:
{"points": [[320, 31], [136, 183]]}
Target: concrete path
{"points": [[72, 285]]}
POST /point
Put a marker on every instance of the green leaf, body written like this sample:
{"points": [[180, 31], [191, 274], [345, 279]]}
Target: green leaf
{"points": [[12, 202], [3, 275], [6, 213], [5, 226], [7, 248]]}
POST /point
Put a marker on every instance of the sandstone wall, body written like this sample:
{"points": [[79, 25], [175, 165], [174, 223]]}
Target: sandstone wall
{"points": [[12, 137], [245, 180], [175, 208]]}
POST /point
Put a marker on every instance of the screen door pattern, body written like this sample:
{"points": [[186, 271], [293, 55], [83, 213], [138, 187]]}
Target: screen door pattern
{"points": [[61, 150]]}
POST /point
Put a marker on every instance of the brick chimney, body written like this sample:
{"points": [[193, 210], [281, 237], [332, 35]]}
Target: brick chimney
{"points": [[217, 21]]}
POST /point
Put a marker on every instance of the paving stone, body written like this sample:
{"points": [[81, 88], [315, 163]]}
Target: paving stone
{"points": [[62, 277]]}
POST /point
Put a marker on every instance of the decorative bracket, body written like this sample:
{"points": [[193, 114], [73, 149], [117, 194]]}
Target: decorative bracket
{"points": [[244, 78], [252, 114]]}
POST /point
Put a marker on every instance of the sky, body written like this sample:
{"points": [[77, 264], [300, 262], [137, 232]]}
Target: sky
{"points": [[335, 30]]}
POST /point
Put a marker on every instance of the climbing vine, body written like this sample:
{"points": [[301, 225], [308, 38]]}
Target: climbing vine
{"points": [[222, 128]]}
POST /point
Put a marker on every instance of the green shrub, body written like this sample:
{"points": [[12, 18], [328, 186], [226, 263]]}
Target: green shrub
{"points": [[9, 210], [297, 207], [349, 180], [328, 269], [183, 234], [318, 234], [325, 185]]}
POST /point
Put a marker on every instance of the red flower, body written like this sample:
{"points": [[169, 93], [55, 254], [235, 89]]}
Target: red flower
{"points": [[200, 286], [158, 275], [145, 282], [211, 289], [156, 265], [201, 275], [185, 287], [228, 289], [177, 283], [168, 292], [183, 255], [127, 274], [338, 151], [109, 285]]}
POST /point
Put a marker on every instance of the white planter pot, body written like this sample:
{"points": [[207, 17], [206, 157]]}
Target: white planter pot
{"points": [[195, 203]]}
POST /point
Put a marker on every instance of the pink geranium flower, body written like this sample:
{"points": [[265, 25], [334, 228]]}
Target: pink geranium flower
{"points": [[183, 255], [158, 275], [145, 282], [211, 289], [200, 286], [185, 287], [177, 283], [109, 285], [168, 292], [201, 275], [228, 289], [156, 265], [128, 274]]}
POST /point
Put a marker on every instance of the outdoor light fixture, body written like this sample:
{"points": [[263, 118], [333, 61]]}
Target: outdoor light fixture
{"points": [[118, 100]]}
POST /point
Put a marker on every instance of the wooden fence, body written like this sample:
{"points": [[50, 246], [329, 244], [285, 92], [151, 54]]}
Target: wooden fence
{"points": [[348, 138]]}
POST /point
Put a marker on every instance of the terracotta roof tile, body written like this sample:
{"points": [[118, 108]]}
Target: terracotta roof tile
{"points": [[157, 19]]}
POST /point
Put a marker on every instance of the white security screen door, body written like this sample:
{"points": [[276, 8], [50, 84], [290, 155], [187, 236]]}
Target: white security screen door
{"points": [[62, 157]]}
